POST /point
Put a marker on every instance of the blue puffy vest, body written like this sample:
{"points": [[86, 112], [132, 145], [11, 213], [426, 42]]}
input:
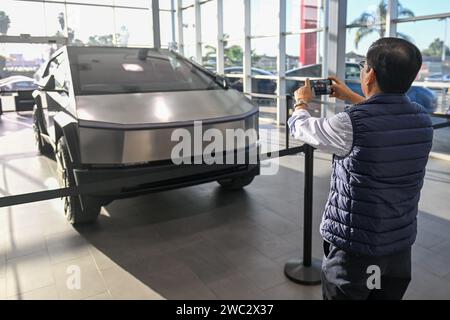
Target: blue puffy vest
{"points": [[375, 190]]}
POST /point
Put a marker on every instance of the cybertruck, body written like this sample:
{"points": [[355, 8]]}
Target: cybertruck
{"points": [[109, 114]]}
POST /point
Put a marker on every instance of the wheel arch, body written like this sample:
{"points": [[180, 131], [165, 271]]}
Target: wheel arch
{"points": [[67, 126]]}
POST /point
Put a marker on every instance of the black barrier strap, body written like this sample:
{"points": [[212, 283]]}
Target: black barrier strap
{"points": [[107, 185], [441, 125]]}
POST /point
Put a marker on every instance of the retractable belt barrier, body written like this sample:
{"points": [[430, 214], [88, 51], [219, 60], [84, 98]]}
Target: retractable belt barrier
{"points": [[443, 124], [305, 271], [110, 184]]}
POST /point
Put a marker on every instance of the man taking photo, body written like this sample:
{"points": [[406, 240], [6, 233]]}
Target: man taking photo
{"points": [[381, 146]]}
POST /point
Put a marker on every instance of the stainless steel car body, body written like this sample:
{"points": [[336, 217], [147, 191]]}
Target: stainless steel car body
{"points": [[136, 128], [111, 134]]}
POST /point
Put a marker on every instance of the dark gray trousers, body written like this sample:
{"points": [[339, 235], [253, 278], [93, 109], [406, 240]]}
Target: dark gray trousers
{"points": [[348, 276]]}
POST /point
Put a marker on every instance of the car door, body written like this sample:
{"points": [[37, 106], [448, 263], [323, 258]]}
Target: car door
{"points": [[56, 99]]}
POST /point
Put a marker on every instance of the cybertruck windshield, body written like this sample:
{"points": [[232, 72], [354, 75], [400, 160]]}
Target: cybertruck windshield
{"points": [[97, 71]]}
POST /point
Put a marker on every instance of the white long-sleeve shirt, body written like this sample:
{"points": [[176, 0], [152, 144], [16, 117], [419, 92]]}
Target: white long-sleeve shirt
{"points": [[330, 135]]}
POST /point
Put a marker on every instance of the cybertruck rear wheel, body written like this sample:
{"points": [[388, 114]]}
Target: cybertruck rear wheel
{"points": [[238, 183], [75, 213]]}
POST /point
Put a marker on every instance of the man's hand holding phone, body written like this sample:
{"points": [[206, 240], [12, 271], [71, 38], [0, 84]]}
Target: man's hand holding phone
{"points": [[304, 93], [333, 86], [342, 92], [303, 96]]}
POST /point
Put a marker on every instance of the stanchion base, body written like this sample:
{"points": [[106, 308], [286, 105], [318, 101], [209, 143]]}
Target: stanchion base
{"points": [[297, 272]]}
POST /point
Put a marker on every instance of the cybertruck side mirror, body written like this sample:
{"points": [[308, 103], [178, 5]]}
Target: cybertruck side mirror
{"points": [[224, 81], [49, 84]]}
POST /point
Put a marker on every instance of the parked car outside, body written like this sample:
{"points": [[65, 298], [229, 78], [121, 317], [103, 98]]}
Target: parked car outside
{"points": [[17, 83], [438, 77], [263, 86]]}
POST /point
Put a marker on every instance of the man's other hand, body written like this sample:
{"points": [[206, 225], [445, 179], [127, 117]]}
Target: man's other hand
{"points": [[304, 93], [342, 92]]}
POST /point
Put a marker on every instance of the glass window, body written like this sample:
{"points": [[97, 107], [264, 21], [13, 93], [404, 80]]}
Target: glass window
{"points": [[133, 27], [135, 3], [370, 16], [187, 3], [165, 4], [84, 29], [209, 52], [267, 113], [233, 19], [209, 22], [165, 27], [264, 63], [19, 14], [18, 66], [264, 17], [117, 70], [189, 26], [358, 42], [366, 12], [190, 51], [303, 50], [209, 34], [303, 58], [264, 55], [420, 8], [428, 36], [352, 71], [233, 54], [55, 16], [303, 14], [103, 2]]}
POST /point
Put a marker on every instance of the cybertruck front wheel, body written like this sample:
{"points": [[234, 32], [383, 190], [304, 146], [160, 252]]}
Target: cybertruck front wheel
{"points": [[75, 212], [237, 183]]}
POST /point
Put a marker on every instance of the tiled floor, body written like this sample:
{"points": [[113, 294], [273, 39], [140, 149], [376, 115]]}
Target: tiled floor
{"points": [[195, 243]]}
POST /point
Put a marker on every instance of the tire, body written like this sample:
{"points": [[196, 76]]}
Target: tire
{"points": [[238, 183], [44, 147], [75, 213]]}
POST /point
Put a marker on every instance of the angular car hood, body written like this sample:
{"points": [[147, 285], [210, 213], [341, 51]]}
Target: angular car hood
{"points": [[163, 108]]}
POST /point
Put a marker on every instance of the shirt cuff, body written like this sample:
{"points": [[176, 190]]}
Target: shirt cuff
{"points": [[301, 113]]}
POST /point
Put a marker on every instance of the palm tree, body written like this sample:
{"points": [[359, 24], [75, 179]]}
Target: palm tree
{"points": [[61, 21], [371, 22], [4, 22], [233, 55]]}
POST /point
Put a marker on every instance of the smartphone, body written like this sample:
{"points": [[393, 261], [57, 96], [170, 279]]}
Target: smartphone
{"points": [[322, 87]]}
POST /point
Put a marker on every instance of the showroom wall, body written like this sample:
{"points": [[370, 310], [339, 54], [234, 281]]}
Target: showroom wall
{"points": [[251, 43], [302, 32], [266, 47], [425, 23], [123, 23]]}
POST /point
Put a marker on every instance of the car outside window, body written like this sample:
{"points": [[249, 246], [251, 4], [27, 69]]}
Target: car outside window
{"points": [[352, 72]]}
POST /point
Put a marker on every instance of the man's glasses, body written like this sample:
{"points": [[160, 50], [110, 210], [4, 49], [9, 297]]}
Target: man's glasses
{"points": [[362, 64]]}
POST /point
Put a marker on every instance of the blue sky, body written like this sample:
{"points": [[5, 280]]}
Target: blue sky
{"points": [[422, 33], [264, 16], [265, 12]]}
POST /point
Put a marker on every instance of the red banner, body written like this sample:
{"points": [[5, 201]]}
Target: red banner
{"points": [[308, 41]]}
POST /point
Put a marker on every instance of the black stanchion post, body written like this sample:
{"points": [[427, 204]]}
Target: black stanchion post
{"points": [[307, 270]]}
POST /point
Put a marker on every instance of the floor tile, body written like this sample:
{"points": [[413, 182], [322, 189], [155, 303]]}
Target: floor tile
{"points": [[122, 285], [78, 278], [28, 273]]}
